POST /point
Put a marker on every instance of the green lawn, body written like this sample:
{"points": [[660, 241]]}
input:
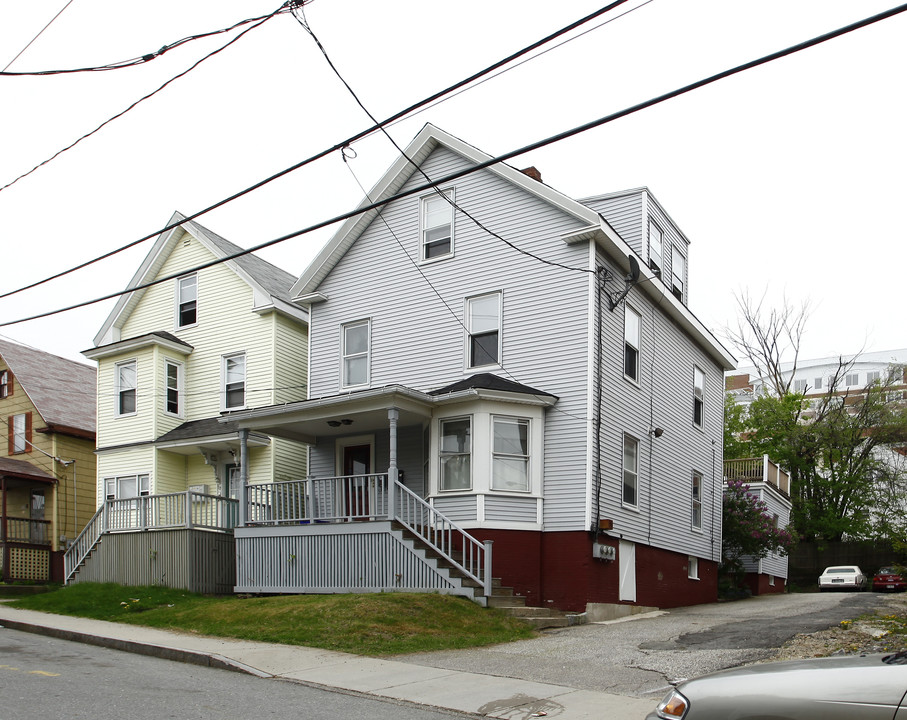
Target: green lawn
{"points": [[367, 624]]}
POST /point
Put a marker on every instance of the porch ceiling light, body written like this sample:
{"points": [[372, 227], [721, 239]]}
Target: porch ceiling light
{"points": [[347, 421], [334, 423]]}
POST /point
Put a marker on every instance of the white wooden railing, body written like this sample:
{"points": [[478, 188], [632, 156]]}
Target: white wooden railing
{"points": [[153, 512], [368, 497]]}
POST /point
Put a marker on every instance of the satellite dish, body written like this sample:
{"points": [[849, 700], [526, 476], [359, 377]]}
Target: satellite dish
{"points": [[633, 276]]}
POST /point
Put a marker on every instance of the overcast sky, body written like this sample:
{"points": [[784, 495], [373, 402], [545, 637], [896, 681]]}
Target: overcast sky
{"points": [[788, 179]]}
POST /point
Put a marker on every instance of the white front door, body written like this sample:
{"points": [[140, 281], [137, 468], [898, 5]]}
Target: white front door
{"points": [[627, 566]]}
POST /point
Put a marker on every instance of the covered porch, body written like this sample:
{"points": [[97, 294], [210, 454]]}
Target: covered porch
{"points": [[26, 536], [361, 521]]}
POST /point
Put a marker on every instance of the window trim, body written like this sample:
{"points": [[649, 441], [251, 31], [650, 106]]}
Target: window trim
{"points": [[675, 278], [120, 389], [656, 266], [224, 389], [25, 446], [624, 470], [6, 384], [179, 301], [527, 458], [424, 201], [692, 567], [698, 396], [367, 353], [442, 454], [628, 344], [470, 335], [696, 500], [180, 409]]}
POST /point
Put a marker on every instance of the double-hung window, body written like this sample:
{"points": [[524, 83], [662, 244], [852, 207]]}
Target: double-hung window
{"points": [[800, 386], [456, 454], [20, 433], [678, 273], [483, 323], [127, 486], [852, 379], [437, 225], [126, 388], [186, 301], [632, 322], [234, 381], [696, 501], [355, 342], [6, 384], [630, 471], [698, 395], [655, 247], [173, 376], [510, 454]]}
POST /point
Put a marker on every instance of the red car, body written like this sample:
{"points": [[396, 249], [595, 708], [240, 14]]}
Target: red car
{"points": [[888, 579]]}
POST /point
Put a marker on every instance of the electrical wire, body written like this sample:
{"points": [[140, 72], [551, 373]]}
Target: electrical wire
{"points": [[550, 140], [142, 99], [29, 44], [335, 148], [141, 59], [300, 17]]}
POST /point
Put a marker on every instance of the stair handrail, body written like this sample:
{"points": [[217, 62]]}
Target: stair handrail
{"points": [[442, 534], [84, 543]]}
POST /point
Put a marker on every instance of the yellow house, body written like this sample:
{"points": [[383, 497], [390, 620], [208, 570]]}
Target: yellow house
{"points": [[47, 474], [206, 330]]}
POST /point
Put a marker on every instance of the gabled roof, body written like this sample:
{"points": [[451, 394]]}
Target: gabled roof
{"points": [[62, 391], [595, 228], [270, 285]]}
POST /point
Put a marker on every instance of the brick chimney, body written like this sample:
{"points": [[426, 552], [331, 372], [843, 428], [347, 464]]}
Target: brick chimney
{"points": [[533, 173], [738, 382]]}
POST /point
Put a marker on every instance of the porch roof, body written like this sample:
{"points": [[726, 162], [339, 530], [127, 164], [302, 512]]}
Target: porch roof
{"points": [[208, 434], [22, 470], [366, 410]]}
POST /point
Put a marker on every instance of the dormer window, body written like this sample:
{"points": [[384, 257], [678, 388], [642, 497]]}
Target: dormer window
{"points": [[655, 247], [186, 301], [678, 273], [437, 225]]}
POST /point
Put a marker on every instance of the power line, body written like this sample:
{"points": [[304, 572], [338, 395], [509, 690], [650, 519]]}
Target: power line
{"points": [[35, 37], [142, 99], [550, 140], [335, 148], [141, 59]]}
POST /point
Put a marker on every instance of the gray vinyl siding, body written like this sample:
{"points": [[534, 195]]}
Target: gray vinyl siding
{"points": [[626, 214], [772, 564], [498, 507], [663, 397], [459, 508], [418, 338]]}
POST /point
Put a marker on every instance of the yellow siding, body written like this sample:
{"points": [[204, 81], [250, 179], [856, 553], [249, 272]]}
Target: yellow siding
{"points": [[289, 460], [133, 461], [73, 505], [291, 360], [114, 430], [170, 473]]}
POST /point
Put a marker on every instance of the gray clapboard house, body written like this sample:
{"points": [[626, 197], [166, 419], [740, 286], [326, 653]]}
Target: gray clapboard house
{"points": [[492, 386]]}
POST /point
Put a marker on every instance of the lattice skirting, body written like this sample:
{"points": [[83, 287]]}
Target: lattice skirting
{"points": [[28, 564]]}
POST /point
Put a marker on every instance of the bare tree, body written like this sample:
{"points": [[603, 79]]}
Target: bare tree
{"points": [[764, 336]]}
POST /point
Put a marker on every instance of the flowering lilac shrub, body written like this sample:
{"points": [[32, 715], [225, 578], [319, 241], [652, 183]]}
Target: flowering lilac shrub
{"points": [[748, 528]]}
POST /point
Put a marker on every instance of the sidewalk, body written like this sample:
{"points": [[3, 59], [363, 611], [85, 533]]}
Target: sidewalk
{"points": [[487, 695]]}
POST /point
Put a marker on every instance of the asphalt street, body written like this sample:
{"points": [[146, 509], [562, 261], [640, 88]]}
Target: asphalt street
{"points": [[640, 657]]}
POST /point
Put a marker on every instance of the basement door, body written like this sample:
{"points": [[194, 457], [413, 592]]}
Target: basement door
{"points": [[626, 558]]}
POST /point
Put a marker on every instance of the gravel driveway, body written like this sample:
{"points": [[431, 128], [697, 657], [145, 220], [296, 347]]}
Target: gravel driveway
{"points": [[639, 657]]}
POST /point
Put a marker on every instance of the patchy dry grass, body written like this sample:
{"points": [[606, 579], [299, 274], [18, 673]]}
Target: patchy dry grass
{"points": [[367, 624]]}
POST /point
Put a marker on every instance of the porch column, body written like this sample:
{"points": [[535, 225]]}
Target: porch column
{"points": [[243, 474], [4, 547], [393, 415]]}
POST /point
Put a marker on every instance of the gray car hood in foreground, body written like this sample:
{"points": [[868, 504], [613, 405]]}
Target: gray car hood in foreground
{"points": [[845, 688]]}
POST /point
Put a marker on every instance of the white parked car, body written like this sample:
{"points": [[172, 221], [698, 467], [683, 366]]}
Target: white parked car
{"points": [[842, 577]]}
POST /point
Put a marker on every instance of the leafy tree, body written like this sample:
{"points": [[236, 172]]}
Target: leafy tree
{"points": [[841, 449], [748, 529]]}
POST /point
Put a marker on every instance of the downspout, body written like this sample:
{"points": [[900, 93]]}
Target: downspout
{"points": [[714, 481], [601, 274]]}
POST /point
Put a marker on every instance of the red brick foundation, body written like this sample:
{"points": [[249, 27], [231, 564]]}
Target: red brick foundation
{"points": [[759, 584], [558, 570]]}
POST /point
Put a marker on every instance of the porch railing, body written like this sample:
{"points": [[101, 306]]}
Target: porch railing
{"points": [[25, 531], [756, 469], [367, 497], [153, 512]]}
